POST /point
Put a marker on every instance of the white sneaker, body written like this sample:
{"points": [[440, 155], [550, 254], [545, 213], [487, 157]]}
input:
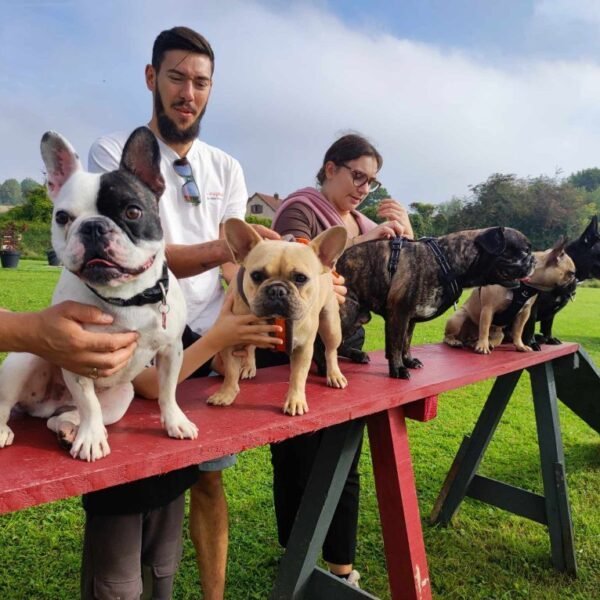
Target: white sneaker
{"points": [[353, 578]]}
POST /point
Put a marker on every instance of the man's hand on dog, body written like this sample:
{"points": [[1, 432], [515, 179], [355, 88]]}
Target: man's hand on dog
{"points": [[266, 233], [59, 337]]}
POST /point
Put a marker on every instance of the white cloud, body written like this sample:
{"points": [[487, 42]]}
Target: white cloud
{"points": [[288, 81], [561, 11]]}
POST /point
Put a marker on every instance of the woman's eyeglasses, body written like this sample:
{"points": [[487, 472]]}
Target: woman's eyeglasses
{"points": [[359, 178], [190, 190]]}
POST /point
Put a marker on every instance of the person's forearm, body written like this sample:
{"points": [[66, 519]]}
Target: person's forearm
{"points": [[16, 331], [187, 261], [146, 383]]}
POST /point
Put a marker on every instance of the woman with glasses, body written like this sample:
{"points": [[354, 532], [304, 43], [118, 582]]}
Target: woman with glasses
{"points": [[346, 177]]}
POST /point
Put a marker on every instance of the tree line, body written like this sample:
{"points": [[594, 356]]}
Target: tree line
{"points": [[12, 192], [543, 208]]}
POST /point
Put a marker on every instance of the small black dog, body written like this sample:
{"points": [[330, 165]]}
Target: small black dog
{"points": [[585, 252], [409, 281]]}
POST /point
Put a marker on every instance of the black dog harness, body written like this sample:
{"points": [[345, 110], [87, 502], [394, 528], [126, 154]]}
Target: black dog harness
{"points": [[448, 276], [395, 247], [152, 295], [520, 297]]}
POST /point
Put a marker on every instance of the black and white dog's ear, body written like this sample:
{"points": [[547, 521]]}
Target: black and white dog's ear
{"points": [[590, 236], [60, 159], [141, 157], [492, 240]]}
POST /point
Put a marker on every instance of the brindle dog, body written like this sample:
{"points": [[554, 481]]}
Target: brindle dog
{"points": [[411, 281]]}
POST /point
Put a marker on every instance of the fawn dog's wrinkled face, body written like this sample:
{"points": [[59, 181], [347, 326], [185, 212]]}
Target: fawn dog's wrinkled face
{"points": [[282, 279], [554, 268]]}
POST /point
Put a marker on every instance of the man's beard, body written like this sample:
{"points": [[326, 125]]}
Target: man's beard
{"points": [[168, 128]]}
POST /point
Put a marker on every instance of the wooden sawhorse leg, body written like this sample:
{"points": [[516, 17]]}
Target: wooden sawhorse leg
{"points": [[398, 507], [298, 577], [551, 509]]}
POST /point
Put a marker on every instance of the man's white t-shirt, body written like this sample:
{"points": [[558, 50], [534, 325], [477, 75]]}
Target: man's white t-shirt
{"points": [[223, 194]]}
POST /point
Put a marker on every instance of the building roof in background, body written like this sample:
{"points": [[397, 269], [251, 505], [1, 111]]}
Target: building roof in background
{"points": [[273, 202]]}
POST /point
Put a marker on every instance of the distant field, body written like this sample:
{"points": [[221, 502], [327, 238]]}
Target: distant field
{"points": [[485, 554]]}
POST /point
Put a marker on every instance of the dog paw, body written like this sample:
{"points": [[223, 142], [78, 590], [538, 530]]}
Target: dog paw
{"points": [[552, 341], [453, 342], [523, 348], [413, 363], [399, 372], [222, 398], [178, 426], [356, 356], [90, 444], [295, 405], [6, 436], [535, 347], [248, 372], [336, 379], [482, 348], [66, 434]]}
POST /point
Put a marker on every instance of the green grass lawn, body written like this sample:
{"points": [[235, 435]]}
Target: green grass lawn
{"points": [[485, 553]]}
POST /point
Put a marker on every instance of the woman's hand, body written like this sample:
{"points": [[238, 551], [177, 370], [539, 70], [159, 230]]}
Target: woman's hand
{"points": [[241, 330], [396, 225], [383, 231], [339, 288], [392, 210]]}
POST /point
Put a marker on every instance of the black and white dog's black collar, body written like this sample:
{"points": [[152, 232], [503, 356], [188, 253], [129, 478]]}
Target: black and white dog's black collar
{"points": [[152, 295]]}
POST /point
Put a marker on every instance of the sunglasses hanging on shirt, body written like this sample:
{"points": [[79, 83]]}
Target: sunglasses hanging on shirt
{"points": [[190, 190]]}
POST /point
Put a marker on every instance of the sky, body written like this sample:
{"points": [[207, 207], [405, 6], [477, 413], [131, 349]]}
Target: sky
{"points": [[449, 91]]}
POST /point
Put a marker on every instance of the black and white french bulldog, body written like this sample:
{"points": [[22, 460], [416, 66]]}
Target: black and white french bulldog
{"points": [[408, 281], [106, 231]]}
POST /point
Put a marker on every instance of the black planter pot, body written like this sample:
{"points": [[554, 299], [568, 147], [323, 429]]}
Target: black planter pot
{"points": [[53, 260], [10, 258]]}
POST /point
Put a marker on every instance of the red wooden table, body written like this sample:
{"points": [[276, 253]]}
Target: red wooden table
{"points": [[34, 470]]}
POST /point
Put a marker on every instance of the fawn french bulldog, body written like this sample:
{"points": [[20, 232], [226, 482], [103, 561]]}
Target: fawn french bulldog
{"points": [[291, 281], [480, 322]]}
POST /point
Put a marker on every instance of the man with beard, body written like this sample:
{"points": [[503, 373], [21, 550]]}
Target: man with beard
{"points": [[141, 522]]}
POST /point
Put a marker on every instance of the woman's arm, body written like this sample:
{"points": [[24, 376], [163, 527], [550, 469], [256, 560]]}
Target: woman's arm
{"points": [[228, 330]]}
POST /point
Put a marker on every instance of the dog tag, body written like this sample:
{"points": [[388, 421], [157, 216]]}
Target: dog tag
{"points": [[163, 309]]}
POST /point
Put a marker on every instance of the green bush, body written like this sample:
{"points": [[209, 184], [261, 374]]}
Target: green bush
{"points": [[259, 221], [35, 240]]}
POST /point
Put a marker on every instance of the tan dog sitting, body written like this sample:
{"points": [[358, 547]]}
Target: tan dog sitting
{"points": [[480, 322], [291, 281]]}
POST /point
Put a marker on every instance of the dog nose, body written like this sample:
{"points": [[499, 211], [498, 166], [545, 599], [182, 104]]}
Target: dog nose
{"points": [[94, 228], [277, 291]]}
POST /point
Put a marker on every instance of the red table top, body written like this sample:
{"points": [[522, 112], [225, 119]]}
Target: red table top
{"points": [[35, 470]]}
